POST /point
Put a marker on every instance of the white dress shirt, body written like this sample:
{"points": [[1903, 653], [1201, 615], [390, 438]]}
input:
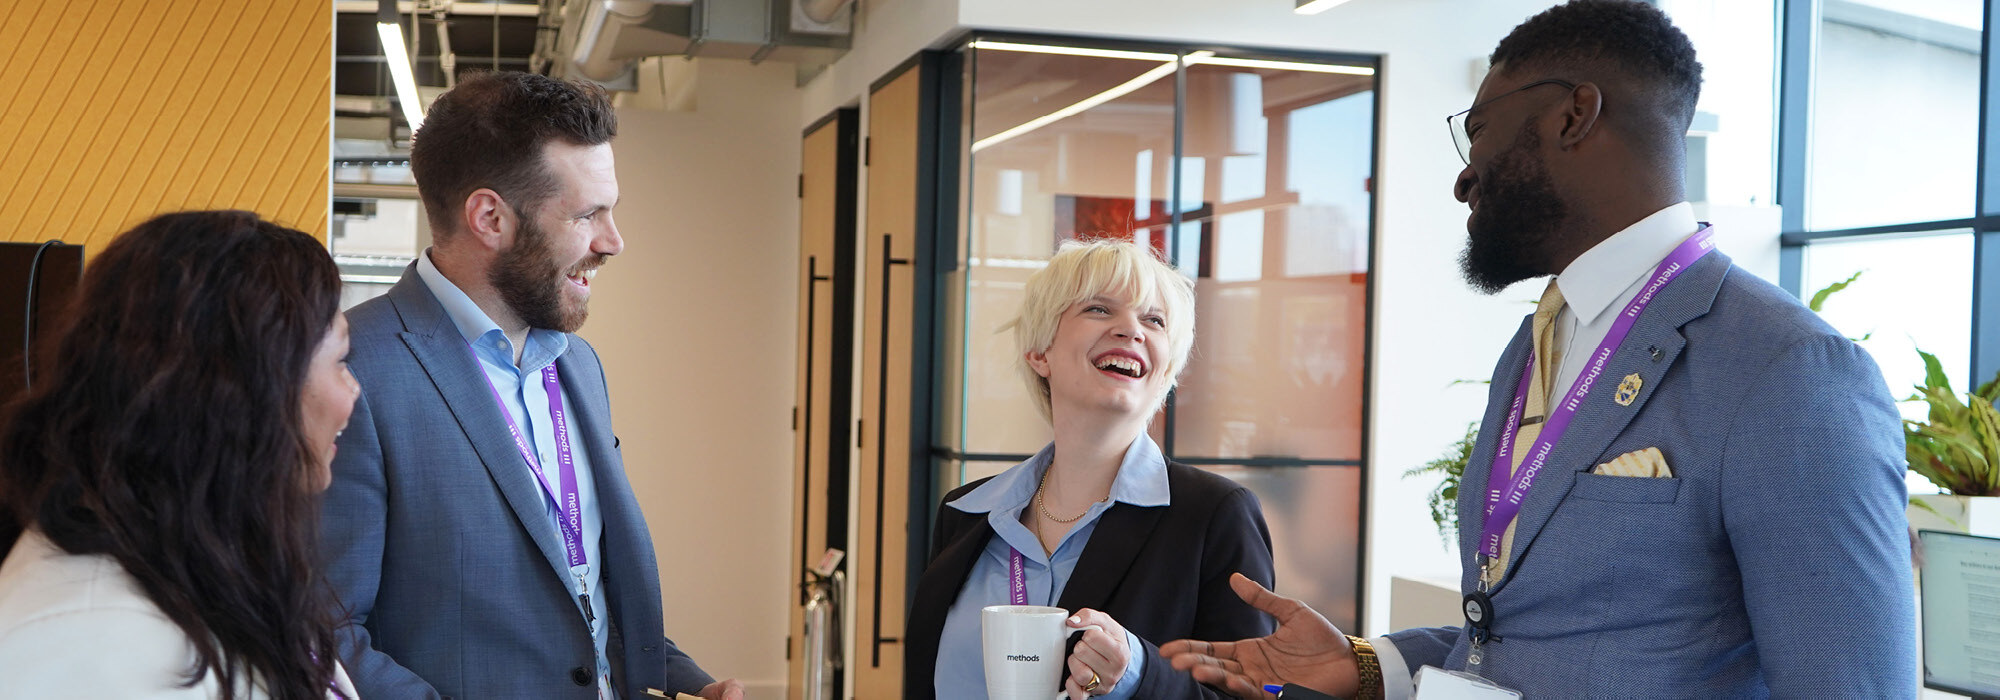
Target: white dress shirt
{"points": [[1604, 278]]}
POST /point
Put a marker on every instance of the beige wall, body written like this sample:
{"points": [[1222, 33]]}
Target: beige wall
{"points": [[697, 326]]}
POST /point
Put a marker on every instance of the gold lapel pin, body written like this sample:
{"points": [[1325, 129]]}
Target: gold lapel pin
{"points": [[1628, 390]]}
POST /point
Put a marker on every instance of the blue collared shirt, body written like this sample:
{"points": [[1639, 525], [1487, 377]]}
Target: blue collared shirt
{"points": [[527, 401], [961, 671]]}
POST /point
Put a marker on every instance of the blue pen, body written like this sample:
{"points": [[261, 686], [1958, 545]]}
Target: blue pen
{"points": [[1273, 688]]}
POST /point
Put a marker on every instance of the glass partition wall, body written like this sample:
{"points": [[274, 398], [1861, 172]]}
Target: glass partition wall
{"points": [[1253, 174]]}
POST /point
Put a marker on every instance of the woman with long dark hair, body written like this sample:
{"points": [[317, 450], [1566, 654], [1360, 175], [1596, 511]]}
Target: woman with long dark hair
{"points": [[160, 482]]}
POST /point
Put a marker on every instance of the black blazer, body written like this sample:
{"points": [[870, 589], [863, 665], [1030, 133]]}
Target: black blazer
{"points": [[1162, 572]]}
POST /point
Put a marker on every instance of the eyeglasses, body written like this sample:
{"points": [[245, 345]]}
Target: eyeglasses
{"points": [[1456, 122]]}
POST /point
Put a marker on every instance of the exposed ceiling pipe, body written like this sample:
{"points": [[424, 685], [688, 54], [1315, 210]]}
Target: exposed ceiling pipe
{"points": [[447, 61], [602, 40]]}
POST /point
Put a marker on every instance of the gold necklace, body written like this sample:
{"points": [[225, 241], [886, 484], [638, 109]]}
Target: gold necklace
{"points": [[1044, 508]]}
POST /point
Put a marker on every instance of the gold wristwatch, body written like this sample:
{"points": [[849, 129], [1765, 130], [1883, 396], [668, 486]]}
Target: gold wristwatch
{"points": [[1370, 669]]}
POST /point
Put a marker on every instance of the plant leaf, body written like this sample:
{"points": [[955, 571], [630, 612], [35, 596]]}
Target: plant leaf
{"points": [[1926, 505], [1819, 297], [1934, 373], [1923, 459], [1988, 431], [1945, 407], [1990, 390]]}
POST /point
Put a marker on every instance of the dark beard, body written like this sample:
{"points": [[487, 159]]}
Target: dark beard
{"points": [[1520, 218], [530, 280]]}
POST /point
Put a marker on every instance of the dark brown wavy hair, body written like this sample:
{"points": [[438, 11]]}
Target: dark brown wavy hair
{"points": [[164, 431]]}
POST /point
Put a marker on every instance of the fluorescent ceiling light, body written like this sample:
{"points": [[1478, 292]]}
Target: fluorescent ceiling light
{"points": [[1283, 65], [1313, 7], [1123, 89], [1073, 51], [399, 69]]}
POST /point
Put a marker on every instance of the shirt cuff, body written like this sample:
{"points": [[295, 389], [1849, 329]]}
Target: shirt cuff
{"points": [[1396, 684], [1128, 683]]}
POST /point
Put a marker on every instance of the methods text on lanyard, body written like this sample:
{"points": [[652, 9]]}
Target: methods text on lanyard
{"points": [[1017, 578], [569, 506], [1504, 491]]}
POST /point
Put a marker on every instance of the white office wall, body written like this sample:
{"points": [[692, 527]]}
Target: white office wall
{"points": [[697, 325]]}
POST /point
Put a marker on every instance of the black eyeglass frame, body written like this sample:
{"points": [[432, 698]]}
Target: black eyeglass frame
{"points": [[1456, 123]]}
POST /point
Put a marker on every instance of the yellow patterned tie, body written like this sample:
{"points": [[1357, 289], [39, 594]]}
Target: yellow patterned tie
{"points": [[1547, 358]]}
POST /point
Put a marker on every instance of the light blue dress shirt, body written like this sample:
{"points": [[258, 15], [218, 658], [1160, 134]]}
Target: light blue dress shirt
{"points": [[527, 401], [961, 669]]}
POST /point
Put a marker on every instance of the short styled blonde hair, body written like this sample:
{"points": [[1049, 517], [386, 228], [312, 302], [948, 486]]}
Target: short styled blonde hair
{"points": [[1084, 269]]}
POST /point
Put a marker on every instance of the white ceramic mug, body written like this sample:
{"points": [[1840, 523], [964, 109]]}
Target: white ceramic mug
{"points": [[1023, 650]]}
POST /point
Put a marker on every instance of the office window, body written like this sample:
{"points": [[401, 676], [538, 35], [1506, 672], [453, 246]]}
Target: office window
{"points": [[1914, 293], [1251, 173], [1881, 158], [1895, 113]]}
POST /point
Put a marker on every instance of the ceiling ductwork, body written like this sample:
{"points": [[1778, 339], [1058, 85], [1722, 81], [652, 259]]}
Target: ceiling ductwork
{"points": [[604, 40]]}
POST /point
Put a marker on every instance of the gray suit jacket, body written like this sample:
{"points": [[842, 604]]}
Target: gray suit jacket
{"points": [[1774, 562], [440, 545]]}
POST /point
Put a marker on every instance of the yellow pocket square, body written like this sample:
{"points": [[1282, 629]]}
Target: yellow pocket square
{"points": [[1643, 463]]}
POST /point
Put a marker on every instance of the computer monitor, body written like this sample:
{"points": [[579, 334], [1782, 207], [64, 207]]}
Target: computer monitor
{"points": [[1961, 613]]}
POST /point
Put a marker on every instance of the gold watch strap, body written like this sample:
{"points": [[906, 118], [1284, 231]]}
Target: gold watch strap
{"points": [[1370, 669]]}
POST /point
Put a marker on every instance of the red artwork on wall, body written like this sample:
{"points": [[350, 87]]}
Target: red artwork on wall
{"points": [[1112, 218]]}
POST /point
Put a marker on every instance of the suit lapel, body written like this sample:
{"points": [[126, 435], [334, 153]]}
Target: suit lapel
{"points": [[625, 542], [939, 587], [442, 352], [1113, 545], [588, 402], [1600, 419], [1473, 483]]}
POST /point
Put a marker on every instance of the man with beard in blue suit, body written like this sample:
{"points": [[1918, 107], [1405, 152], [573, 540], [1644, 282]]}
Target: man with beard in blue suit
{"points": [[1687, 484], [480, 528]]}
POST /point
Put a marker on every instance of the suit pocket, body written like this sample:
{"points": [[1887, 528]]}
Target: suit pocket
{"points": [[1625, 489]]}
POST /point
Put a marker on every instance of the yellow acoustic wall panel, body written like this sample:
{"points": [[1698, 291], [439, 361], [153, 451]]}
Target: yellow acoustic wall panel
{"points": [[119, 110]]}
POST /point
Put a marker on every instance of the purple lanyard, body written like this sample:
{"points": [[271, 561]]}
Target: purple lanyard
{"points": [[1017, 578], [568, 504], [1505, 493]]}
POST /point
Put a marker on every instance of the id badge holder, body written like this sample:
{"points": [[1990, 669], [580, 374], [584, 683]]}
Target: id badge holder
{"points": [[1434, 683]]}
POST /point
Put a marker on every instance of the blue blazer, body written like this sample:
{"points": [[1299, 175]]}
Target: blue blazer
{"points": [[438, 540], [1775, 561]]}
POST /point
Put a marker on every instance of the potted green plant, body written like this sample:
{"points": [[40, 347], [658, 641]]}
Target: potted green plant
{"points": [[1956, 447]]}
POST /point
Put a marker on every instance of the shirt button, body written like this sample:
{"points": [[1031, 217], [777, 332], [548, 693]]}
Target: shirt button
{"points": [[579, 676]]}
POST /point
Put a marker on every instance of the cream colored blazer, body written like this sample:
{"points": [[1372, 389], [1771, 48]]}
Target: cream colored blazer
{"points": [[77, 626]]}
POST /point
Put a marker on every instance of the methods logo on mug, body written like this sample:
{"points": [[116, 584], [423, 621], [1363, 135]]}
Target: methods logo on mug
{"points": [[1024, 657]]}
